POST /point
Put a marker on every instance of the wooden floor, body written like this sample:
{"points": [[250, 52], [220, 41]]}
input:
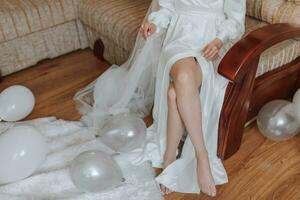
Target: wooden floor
{"points": [[262, 169]]}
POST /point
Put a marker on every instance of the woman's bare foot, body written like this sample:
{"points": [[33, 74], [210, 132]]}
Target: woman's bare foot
{"points": [[205, 178], [167, 162]]}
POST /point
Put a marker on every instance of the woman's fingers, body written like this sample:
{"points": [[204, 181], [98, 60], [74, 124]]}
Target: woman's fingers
{"points": [[141, 31], [146, 30], [151, 30], [210, 52], [216, 56], [205, 50], [212, 55]]}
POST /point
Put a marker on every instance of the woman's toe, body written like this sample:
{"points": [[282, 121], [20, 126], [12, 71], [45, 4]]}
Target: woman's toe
{"points": [[207, 190], [213, 191], [163, 189], [168, 191]]}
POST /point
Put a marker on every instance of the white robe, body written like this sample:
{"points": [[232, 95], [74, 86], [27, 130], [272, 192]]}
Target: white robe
{"points": [[185, 27]]}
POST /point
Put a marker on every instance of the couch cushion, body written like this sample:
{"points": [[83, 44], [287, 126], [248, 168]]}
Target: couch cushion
{"points": [[19, 18], [254, 8], [116, 21], [275, 11], [289, 12]]}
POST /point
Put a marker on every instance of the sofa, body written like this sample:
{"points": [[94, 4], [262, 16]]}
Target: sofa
{"points": [[262, 66]]}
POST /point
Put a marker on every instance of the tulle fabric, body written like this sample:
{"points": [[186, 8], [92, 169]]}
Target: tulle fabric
{"points": [[129, 87]]}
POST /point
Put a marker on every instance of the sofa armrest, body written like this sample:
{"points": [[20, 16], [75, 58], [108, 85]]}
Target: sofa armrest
{"points": [[237, 60]]}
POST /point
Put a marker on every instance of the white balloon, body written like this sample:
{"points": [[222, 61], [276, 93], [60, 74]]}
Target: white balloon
{"points": [[95, 171], [16, 103], [276, 120], [296, 101], [22, 151], [124, 132]]}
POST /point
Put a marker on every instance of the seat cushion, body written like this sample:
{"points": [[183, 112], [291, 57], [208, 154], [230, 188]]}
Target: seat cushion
{"points": [[19, 18]]}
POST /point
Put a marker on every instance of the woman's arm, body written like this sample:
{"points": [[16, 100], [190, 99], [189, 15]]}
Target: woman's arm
{"points": [[162, 17], [233, 26]]}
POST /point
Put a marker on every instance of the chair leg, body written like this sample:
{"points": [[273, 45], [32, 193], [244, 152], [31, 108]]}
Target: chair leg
{"points": [[234, 113], [99, 49]]}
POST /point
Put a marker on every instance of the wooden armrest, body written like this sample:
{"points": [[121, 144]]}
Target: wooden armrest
{"points": [[237, 60]]}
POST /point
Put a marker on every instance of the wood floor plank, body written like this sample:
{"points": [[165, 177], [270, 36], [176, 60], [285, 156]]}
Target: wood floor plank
{"points": [[262, 169]]}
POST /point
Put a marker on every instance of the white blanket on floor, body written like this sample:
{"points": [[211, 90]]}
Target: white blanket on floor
{"points": [[52, 181]]}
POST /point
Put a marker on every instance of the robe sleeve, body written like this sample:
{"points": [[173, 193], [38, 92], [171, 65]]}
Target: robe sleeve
{"points": [[233, 26], [162, 17]]}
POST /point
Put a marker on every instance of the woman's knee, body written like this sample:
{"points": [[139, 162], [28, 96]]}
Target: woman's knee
{"points": [[186, 73]]}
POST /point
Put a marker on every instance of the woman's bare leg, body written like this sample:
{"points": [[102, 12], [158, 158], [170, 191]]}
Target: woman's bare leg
{"points": [[187, 77], [175, 131]]}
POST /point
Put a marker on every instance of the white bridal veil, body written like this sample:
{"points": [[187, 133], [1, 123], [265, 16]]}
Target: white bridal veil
{"points": [[129, 87]]}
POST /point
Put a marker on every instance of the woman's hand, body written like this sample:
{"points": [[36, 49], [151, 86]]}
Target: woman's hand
{"points": [[211, 51], [147, 29]]}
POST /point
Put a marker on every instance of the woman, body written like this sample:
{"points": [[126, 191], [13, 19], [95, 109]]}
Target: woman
{"points": [[193, 26], [177, 66]]}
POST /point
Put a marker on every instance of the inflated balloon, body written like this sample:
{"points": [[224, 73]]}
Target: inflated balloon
{"points": [[16, 103], [95, 171], [296, 101], [22, 150], [277, 121], [124, 133]]}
